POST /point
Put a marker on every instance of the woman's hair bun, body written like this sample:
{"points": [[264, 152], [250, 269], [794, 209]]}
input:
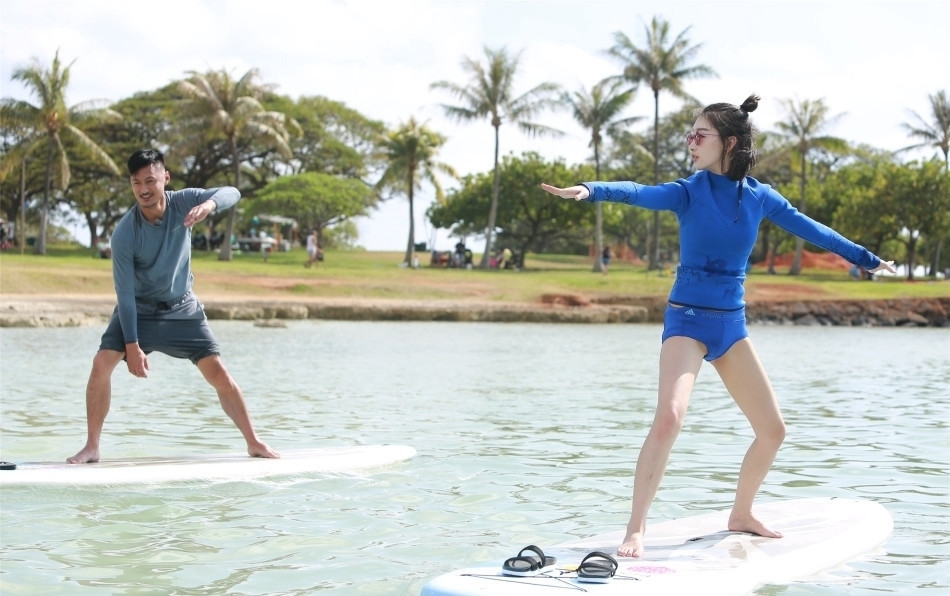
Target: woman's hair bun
{"points": [[750, 103]]}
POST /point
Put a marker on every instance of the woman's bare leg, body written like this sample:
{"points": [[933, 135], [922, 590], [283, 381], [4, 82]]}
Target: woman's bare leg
{"points": [[748, 383], [680, 361]]}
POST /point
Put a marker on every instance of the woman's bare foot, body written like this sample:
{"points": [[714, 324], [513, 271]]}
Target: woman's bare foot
{"points": [[749, 523], [632, 546], [262, 450], [87, 455]]}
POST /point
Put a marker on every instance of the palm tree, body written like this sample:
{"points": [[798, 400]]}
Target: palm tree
{"points": [[663, 64], [935, 133], [410, 151], [46, 124], [490, 93], [223, 107], [598, 111], [806, 120]]}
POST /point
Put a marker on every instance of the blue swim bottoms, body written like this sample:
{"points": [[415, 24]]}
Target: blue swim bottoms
{"points": [[178, 328], [717, 330]]}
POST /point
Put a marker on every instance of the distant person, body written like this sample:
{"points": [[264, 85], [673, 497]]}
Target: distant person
{"points": [[605, 259], [103, 248], [266, 245], [313, 249], [156, 311], [720, 208]]}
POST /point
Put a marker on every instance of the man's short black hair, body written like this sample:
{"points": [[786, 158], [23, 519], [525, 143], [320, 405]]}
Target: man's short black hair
{"points": [[144, 158]]}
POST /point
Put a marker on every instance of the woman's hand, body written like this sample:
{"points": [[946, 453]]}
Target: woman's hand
{"points": [[578, 193], [885, 266]]}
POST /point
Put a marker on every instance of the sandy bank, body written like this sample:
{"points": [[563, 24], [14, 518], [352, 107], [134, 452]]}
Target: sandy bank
{"points": [[72, 311]]}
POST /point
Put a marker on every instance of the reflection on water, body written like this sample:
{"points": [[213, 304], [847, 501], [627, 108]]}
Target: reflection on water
{"points": [[525, 433]]}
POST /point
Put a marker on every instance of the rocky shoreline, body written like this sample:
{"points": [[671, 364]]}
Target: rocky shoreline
{"points": [[72, 311]]}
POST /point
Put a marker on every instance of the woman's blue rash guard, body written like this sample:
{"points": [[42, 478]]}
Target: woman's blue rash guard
{"points": [[718, 232], [153, 261]]}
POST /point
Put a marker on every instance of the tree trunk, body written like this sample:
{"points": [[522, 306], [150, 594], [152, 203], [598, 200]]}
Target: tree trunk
{"points": [[935, 264], [911, 256], [799, 243], [492, 212], [654, 247], [599, 220], [21, 229], [40, 247], [411, 245], [225, 254]]}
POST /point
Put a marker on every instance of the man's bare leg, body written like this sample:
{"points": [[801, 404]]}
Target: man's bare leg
{"points": [[232, 401], [680, 361], [748, 383], [98, 400]]}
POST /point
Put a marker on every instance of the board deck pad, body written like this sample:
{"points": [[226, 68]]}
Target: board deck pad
{"points": [[231, 466], [698, 555]]}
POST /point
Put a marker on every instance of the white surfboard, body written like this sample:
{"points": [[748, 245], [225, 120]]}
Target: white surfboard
{"points": [[697, 555], [231, 466]]}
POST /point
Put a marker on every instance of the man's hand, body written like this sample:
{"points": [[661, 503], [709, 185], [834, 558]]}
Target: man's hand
{"points": [[136, 360], [199, 213]]}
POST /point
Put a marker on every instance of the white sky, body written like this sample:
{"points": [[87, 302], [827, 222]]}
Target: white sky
{"points": [[870, 60]]}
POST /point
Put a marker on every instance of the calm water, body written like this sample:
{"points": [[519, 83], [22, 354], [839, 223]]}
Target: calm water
{"points": [[525, 433]]}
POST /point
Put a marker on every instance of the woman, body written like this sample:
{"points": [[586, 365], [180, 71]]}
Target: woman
{"points": [[719, 209]]}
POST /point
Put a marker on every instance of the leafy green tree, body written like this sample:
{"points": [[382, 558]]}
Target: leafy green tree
{"points": [[47, 123], [806, 119], [921, 195], [316, 200], [490, 94], [865, 212], [527, 219], [221, 107], [663, 64], [936, 132], [335, 139], [411, 152], [599, 111]]}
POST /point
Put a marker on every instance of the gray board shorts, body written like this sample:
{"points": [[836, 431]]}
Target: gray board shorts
{"points": [[178, 328]]}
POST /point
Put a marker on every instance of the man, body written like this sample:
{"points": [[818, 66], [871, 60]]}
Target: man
{"points": [[156, 311], [312, 248]]}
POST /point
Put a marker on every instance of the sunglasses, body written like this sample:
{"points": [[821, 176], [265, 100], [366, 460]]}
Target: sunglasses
{"points": [[698, 137]]}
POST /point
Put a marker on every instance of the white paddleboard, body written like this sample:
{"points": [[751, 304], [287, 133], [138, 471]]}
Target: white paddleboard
{"points": [[698, 555], [231, 466]]}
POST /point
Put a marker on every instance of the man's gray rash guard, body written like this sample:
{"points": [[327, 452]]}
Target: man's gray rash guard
{"points": [[152, 262]]}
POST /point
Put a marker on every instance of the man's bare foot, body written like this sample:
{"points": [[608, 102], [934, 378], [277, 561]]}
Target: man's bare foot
{"points": [[749, 523], [262, 450], [87, 455], [632, 546]]}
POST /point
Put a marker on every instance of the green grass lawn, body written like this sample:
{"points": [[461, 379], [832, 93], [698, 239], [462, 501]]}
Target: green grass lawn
{"points": [[73, 270]]}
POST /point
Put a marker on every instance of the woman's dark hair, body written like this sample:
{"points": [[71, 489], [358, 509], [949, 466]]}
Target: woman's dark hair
{"points": [[733, 121], [144, 158]]}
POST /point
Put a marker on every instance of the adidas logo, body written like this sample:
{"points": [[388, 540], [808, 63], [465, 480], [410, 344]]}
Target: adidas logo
{"points": [[690, 312]]}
